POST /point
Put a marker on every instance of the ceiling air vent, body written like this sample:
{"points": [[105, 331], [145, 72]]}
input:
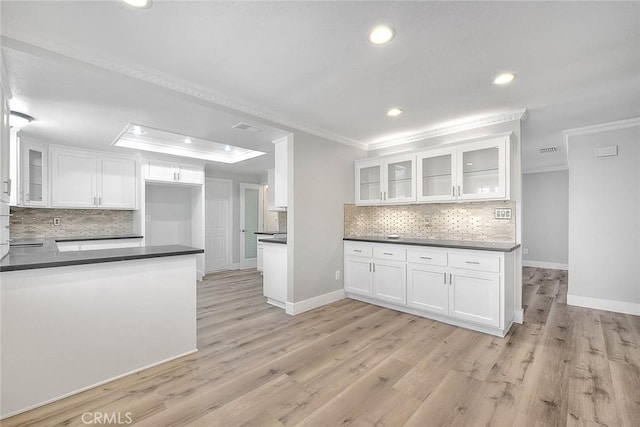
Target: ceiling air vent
{"points": [[247, 127], [548, 150]]}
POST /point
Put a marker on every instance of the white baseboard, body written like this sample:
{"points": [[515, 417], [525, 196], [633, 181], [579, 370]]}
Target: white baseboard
{"points": [[604, 304], [543, 264], [518, 316], [294, 308], [235, 266]]}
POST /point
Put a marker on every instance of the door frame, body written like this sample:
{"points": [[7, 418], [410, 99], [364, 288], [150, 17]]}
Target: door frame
{"points": [[229, 255], [249, 262]]}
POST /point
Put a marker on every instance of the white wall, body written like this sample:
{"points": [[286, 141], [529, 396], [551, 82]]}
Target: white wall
{"points": [[169, 208], [545, 219], [322, 182], [604, 221]]}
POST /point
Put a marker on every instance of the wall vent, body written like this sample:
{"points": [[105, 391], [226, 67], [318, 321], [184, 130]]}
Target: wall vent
{"points": [[548, 150], [247, 127]]}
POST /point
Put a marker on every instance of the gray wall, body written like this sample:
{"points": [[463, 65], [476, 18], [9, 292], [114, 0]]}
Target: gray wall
{"points": [[604, 220], [236, 179], [545, 218], [323, 182]]}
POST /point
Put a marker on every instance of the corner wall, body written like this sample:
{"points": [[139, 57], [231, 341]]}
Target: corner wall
{"points": [[323, 182], [604, 219]]}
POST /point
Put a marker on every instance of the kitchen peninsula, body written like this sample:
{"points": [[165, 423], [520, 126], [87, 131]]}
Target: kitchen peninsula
{"points": [[63, 310]]}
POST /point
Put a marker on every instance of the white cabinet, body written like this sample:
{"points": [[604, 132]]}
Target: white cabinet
{"points": [[472, 171], [83, 179], [474, 296], [275, 273], [463, 287], [379, 274], [178, 173], [281, 172], [386, 180], [34, 188], [271, 190], [5, 180]]}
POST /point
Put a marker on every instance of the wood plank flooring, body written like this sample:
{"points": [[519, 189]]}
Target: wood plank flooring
{"points": [[351, 363]]}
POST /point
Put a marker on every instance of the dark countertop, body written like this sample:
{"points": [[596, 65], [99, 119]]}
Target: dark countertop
{"points": [[269, 232], [81, 239], [457, 244], [48, 255], [280, 240]]}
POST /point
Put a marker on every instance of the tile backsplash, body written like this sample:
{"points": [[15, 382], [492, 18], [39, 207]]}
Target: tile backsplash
{"points": [[472, 221], [282, 221], [29, 222]]}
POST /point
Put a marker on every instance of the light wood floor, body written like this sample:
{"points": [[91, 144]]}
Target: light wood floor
{"points": [[350, 363]]}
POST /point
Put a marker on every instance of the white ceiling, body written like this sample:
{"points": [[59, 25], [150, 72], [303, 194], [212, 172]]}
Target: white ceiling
{"points": [[87, 68]]}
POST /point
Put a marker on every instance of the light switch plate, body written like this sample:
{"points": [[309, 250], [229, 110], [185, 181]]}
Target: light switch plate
{"points": [[503, 213]]}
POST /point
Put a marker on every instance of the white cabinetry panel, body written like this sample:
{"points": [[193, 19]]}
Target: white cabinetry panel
{"points": [[427, 288], [357, 275], [475, 297], [117, 183], [389, 278], [73, 178]]}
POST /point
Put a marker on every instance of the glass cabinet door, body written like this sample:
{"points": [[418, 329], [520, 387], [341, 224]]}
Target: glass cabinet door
{"points": [[400, 180], [34, 182], [483, 171], [436, 175], [369, 183]]}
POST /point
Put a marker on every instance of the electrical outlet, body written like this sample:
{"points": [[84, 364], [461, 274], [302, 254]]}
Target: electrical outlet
{"points": [[56, 221], [503, 213], [337, 274]]}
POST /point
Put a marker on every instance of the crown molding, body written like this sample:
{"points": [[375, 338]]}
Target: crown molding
{"points": [[448, 130], [20, 40], [601, 127]]}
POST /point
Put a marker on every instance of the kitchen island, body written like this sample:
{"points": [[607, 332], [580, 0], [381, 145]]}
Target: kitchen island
{"points": [[72, 320]]}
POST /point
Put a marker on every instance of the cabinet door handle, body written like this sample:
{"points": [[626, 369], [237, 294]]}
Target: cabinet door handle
{"points": [[450, 279], [95, 200], [453, 191], [388, 253], [6, 215], [357, 250], [8, 190], [374, 267], [458, 191], [385, 195], [425, 257], [100, 200], [369, 267], [178, 176], [445, 278], [472, 262], [381, 196], [26, 198]]}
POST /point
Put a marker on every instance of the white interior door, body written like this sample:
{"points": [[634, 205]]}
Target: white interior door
{"points": [[218, 203], [251, 220]]}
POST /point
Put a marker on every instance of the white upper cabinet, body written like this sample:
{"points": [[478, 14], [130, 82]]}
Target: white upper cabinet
{"points": [[82, 179], [34, 187], [436, 175], [155, 170], [386, 180], [482, 170]]}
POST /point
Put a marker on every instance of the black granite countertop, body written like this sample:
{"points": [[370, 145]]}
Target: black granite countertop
{"points": [[269, 232], [84, 238], [456, 244], [280, 240], [46, 254]]}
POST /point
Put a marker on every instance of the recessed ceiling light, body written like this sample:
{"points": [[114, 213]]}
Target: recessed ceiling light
{"points": [[18, 120], [137, 130], [469, 164], [381, 34], [187, 141], [227, 147], [393, 112], [140, 4], [504, 78]]}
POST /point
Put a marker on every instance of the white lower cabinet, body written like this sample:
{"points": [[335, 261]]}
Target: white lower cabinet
{"points": [[427, 288], [429, 282], [275, 273]]}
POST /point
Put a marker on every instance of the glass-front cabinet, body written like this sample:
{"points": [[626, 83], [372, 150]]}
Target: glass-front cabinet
{"points": [[33, 162], [471, 171], [386, 181]]}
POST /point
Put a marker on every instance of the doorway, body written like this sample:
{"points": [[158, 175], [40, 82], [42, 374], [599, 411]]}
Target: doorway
{"points": [[251, 219], [218, 224]]}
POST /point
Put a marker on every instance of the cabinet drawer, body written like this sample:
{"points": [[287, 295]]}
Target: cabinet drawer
{"points": [[475, 262], [358, 249], [389, 252], [430, 257]]}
